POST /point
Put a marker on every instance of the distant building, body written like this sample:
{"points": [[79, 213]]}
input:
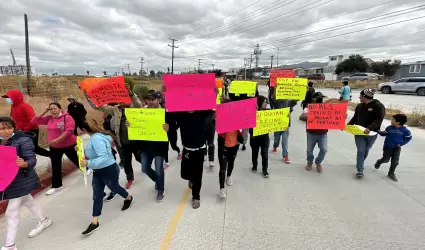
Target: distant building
{"points": [[411, 69], [15, 70]]}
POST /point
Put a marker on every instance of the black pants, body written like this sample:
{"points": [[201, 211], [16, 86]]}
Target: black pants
{"points": [[128, 150], [192, 169], [105, 177], [226, 159], [260, 143], [172, 141], [210, 132], [39, 150], [56, 155], [392, 154]]}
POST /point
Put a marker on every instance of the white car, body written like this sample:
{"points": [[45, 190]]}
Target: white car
{"points": [[406, 85], [265, 76]]}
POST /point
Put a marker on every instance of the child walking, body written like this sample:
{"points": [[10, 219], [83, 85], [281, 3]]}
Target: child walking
{"points": [[396, 136], [260, 142]]}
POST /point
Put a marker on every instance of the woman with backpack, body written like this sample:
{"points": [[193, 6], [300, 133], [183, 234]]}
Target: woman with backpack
{"points": [[61, 139], [18, 193]]}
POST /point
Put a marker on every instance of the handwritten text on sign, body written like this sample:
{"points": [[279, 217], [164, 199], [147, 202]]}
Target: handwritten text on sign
{"points": [[269, 121], [326, 116], [146, 124], [291, 88], [8, 167], [108, 91], [285, 73], [243, 87], [233, 116], [190, 92]]}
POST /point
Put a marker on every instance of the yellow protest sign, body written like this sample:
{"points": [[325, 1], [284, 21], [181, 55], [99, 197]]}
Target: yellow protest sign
{"points": [[269, 121], [243, 87], [357, 130], [80, 154], [291, 88], [146, 124], [220, 93]]}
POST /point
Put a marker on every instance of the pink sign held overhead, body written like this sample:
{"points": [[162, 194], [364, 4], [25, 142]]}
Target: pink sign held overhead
{"points": [[233, 116], [8, 167], [190, 92]]}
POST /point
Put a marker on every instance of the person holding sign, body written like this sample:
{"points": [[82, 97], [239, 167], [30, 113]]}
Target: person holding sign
{"points": [[369, 113], [319, 137], [193, 135], [128, 147], [18, 192], [260, 142], [105, 170], [154, 148]]}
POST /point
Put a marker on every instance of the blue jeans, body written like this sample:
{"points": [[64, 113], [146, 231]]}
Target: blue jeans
{"points": [[105, 177], [322, 142], [363, 144], [285, 136], [156, 175]]}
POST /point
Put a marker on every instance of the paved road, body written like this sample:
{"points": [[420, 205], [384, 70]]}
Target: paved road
{"points": [[293, 209], [404, 102]]}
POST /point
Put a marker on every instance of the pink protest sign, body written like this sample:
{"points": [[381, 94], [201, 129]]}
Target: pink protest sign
{"points": [[8, 167], [190, 92], [233, 116]]}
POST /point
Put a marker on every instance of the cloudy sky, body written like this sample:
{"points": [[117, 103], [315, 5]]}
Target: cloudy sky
{"points": [[106, 35]]}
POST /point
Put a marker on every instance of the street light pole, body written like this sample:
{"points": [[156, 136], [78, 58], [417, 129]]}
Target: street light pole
{"points": [[277, 57]]}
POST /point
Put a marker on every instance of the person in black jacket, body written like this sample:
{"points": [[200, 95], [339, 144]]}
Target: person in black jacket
{"points": [[369, 114], [193, 136], [309, 95], [18, 193], [260, 142], [77, 111]]}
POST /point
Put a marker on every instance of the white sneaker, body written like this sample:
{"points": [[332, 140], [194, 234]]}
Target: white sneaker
{"points": [[9, 248], [53, 190], [41, 225], [223, 193], [89, 171], [211, 164], [229, 181]]}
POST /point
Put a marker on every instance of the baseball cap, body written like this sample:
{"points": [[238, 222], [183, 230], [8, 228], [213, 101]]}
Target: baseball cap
{"points": [[152, 94]]}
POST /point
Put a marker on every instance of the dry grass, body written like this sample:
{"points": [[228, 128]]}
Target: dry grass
{"points": [[414, 119], [352, 84]]}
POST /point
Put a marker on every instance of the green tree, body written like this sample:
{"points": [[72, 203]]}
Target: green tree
{"points": [[354, 63], [159, 74], [134, 74], [104, 73], [88, 72], [152, 73], [129, 81], [386, 67]]}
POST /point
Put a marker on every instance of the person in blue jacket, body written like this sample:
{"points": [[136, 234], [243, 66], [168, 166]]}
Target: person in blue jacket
{"points": [[18, 193], [105, 170], [396, 136]]}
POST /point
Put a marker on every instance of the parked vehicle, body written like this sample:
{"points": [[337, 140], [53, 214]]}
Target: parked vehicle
{"points": [[361, 77], [316, 77], [406, 84], [265, 76]]}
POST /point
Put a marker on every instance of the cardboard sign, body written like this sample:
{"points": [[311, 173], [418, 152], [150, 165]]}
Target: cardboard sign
{"points": [[243, 87], [269, 121], [88, 82], [326, 116], [233, 116], [190, 92], [80, 154], [146, 124], [110, 90], [8, 167], [281, 73], [291, 88]]}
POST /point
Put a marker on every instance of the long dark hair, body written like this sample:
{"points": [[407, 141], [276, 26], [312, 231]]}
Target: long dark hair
{"points": [[92, 126], [7, 122]]}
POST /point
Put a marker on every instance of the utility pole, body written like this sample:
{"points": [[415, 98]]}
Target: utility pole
{"points": [[122, 70], [250, 62], [213, 66], [271, 62], [128, 65], [141, 65], [199, 65], [172, 53], [27, 54], [245, 63]]}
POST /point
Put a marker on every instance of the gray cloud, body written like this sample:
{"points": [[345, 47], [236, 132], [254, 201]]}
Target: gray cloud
{"points": [[107, 35]]}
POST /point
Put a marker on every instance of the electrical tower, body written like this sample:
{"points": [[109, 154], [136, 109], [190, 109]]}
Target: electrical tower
{"points": [[128, 65], [213, 66], [13, 57], [199, 65], [271, 62], [257, 53], [172, 53], [141, 65]]}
